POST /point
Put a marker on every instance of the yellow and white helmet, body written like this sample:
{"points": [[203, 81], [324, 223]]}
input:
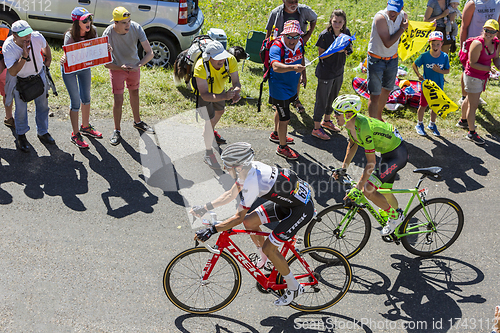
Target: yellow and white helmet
{"points": [[347, 103]]}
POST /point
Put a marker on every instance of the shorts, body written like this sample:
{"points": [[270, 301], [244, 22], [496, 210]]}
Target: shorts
{"points": [[447, 39], [3, 76], [290, 219], [283, 107], [381, 74], [423, 101], [119, 77], [390, 164], [207, 109], [473, 85]]}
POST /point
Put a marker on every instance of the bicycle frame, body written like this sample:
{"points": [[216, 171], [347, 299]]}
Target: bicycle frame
{"points": [[225, 242], [415, 192]]}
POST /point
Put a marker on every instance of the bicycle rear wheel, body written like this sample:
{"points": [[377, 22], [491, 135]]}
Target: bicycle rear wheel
{"points": [[334, 275], [325, 230], [448, 219], [184, 287]]}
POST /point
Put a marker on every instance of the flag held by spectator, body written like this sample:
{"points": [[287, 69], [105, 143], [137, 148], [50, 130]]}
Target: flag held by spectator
{"points": [[437, 99], [339, 44], [414, 38]]}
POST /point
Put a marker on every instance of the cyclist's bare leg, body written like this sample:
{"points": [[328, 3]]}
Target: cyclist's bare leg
{"points": [[252, 222], [279, 262], [391, 199], [377, 198]]}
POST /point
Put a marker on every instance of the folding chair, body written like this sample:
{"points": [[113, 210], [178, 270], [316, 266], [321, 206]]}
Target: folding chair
{"points": [[252, 47]]}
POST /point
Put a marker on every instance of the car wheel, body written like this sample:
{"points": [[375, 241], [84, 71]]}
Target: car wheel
{"points": [[7, 19], [164, 51]]}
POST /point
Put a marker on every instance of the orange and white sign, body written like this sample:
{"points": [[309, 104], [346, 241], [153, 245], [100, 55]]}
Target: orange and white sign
{"points": [[86, 54]]}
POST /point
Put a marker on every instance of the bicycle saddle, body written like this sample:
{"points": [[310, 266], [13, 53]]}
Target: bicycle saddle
{"points": [[432, 172]]}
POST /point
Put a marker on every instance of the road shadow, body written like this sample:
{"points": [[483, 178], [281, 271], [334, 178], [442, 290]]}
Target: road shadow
{"points": [[314, 322], [55, 175], [455, 162], [421, 294], [136, 196], [210, 323]]}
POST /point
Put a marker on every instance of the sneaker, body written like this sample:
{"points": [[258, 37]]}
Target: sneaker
{"points": [[461, 100], [275, 138], [91, 132], [142, 126], [219, 139], [79, 141], [116, 138], [434, 130], [420, 129], [330, 125], [211, 161], [482, 102], [287, 153], [475, 138], [289, 296], [9, 122], [320, 134], [392, 224], [463, 124]]}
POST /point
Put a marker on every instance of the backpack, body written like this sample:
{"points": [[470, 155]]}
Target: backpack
{"points": [[463, 54], [186, 61]]}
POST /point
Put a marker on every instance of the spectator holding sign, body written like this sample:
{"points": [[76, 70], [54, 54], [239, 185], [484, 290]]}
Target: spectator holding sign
{"points": [[78, 83], [387, 27], [330, 74], [436, 64], [124, 35]]}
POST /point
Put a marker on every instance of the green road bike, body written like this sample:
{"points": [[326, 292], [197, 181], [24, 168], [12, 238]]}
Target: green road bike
{"points": [[429, 228]]}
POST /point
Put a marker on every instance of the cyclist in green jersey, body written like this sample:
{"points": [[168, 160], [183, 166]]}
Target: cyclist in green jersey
{"points": [[374, 136]]}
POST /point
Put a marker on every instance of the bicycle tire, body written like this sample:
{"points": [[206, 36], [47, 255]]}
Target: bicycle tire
{"points": [[323, 231], [184, 288], [448, 218], [334, 275]]}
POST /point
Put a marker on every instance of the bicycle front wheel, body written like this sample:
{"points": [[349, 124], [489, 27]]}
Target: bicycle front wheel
{"points": [[446, 216], [185, 288], [334, 275], [325, 230]]}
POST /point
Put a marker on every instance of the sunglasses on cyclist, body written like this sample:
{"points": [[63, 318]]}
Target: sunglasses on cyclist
{"points": [[291, 37], [337, 113], [87, 19], [488, 31]]}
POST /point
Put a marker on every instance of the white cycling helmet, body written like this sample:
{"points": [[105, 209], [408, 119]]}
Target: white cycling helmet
{"points": [[237, 154], [347, 103]]}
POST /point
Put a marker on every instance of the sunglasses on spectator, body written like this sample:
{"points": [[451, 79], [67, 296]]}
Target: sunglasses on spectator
{"points": [[87, 19], [293, 2], [291, 37], [488, 31]]}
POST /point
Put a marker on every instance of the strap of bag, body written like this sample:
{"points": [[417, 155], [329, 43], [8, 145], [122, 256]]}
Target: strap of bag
{"points": [[34, 60]]}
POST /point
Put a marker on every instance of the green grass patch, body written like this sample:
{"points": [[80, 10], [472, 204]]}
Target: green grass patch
{"points": [[161, 98]]}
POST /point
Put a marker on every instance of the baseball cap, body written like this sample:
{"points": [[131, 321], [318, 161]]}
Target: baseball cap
{"points": [[79, 14], [493, 24], [216, 51], [22, 28], [120, 14], [292, 26], [395, 5], [435, 35]]}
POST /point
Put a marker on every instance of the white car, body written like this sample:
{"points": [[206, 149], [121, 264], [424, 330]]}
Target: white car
{"points": [[170, 25]]}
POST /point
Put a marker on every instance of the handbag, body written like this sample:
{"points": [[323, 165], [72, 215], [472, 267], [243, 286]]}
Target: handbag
{"points": [[32, 86]]}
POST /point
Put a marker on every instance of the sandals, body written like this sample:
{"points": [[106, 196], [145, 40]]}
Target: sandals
{"points": [[298, 105]]}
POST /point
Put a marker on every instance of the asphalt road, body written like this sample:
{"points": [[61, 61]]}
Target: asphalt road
{"points": [[86, 236]]}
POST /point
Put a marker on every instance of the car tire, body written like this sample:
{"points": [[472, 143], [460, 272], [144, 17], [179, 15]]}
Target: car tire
{"points": [[7, 19], [164, 50]]}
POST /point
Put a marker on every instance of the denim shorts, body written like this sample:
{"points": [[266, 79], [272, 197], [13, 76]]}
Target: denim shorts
{"points": [[381, 74]]}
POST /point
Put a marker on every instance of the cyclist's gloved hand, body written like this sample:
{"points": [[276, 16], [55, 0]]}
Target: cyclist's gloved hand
{"points": [[199, 210], [339, 173], [204, 234], [355, 194]]}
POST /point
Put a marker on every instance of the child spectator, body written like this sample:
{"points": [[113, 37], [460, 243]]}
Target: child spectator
{"points": [[435, 63], [78, 83], [330, 74], [451, 23]]}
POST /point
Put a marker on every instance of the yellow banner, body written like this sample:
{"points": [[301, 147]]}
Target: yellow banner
{"points": [[437, 99], [414, 38]]}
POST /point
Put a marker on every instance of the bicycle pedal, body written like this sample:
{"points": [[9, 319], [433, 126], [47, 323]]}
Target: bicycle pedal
{"points": [[387, 239]]}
